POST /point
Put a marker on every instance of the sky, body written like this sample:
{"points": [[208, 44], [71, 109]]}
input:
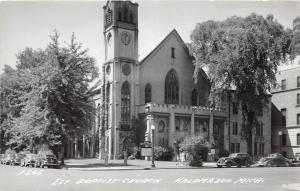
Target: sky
{"points": [[29, 23]]}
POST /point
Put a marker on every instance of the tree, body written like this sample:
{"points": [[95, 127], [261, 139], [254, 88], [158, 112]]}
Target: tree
{"points": [[241, 53], [54, 92]]}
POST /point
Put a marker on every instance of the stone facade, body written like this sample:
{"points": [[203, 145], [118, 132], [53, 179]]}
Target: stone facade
{"points": [[285, 109], [159, 91]]}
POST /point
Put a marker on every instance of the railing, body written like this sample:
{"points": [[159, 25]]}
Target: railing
{"points": [[155, 107]]}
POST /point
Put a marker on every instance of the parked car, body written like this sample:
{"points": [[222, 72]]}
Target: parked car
{"points": [[28, 160], [296, 160], [8, 159], [2, 156], [235, 159], [46, 160], [274, 159], [17, 159]]}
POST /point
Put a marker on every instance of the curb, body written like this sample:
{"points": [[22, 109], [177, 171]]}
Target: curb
{"points": [[137, 168]]}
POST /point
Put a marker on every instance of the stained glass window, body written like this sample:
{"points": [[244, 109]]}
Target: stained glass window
{"points": [[125, 105], [148, 93], [171, 88]]}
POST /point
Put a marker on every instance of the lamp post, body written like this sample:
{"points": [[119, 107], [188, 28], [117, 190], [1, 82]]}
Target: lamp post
{"points": [[152, 134], [280, 140]]}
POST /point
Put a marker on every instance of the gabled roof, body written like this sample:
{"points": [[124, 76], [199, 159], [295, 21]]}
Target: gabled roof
{"points": [[163, 42]]}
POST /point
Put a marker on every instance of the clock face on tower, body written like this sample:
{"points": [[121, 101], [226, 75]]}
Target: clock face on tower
{"points": [[125, 37]]}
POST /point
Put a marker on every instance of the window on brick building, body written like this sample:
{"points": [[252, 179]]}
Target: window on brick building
{"points": [[260, 129], [283, 84], [283, 117], [235, 128], [298, 99], [283, 139], [235, 108], [298, 119], [298, 81], [298, 138]]}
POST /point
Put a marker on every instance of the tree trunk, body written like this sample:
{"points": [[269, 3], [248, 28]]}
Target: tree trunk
{"points": [[250, 123], [62, 152]]}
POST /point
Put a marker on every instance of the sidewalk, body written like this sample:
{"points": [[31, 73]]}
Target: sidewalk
{"points": [[94, 164]]}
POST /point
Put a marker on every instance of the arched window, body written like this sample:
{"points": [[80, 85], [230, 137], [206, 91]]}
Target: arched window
{"points": [[148, 93], [161, 126], [194, 97], [125, 105], [171, 88]]}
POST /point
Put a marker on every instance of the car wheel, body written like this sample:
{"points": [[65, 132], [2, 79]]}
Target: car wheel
{"points": [[228, 165], [269, 164], [220, 166]]}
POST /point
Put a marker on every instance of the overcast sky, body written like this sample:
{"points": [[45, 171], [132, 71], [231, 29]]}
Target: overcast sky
{"points": [[29, 24]]}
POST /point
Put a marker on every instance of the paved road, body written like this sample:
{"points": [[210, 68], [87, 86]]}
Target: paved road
{"points": [[30, 179]]}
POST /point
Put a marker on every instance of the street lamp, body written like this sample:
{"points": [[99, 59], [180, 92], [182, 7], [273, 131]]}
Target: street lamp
{"points": [[280, 139], [152, 133]]}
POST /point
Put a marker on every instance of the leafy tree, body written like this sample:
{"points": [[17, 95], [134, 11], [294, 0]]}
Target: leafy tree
{"points": [[241, 53], [194, 146], [54, 92]]}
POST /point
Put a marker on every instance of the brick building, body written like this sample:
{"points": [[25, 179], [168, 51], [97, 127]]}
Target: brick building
{"points": [[286, 113]]}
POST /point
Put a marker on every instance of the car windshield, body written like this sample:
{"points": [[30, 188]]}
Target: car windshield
{"points": [[31, 156], [274, 155], [50, 156], [233, 155], [11, 156]]}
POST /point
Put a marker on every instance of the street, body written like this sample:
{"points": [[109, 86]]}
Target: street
{"points": [[30, 179]]}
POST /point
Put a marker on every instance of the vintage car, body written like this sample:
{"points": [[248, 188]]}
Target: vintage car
{"points": [[28, 160], [8, 159], [235, 159], [274, 159], [17, 159], [296, 158], [46, 160]]}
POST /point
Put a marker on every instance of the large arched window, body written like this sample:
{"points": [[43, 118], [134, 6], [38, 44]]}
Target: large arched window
{"points": [[171, 88], [148, 93], [125, 105], [194, 97]]}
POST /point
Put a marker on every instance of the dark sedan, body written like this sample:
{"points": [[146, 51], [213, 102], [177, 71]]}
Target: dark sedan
{"points": [[274, 160], [235, 159], [46, 160]]}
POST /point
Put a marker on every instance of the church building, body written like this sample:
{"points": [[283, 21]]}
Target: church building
{"points": [[160, 92]]}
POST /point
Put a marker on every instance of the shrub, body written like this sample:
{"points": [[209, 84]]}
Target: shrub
{"points": [[163, 154], [194, 147]]}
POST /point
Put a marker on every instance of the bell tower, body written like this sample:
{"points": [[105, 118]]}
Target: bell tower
{"points": [[120, 74]]}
